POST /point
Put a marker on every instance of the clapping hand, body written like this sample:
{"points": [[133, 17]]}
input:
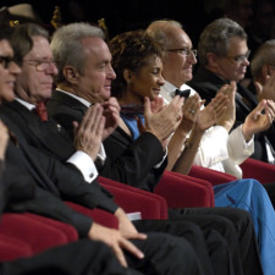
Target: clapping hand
{"points": [[4, 138], [165, 120], [111, 113], [89, 134], [268, 90], [227, 116], [259, 119]]}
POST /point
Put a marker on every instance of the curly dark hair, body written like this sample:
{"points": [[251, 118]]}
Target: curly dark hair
{"points": [[130, 50]]}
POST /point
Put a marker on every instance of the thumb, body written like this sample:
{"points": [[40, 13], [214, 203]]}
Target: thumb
{"points": [[147, 107], [259, 88], [258, 110], [75, 127]]}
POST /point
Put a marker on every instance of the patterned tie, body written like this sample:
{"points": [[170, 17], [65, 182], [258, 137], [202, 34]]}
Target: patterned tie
{"points": [[41, 110]]}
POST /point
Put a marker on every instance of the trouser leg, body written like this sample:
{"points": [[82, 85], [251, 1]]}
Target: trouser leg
{"points": [[165, 255], [243, 243], [201, 244], [219, 224], [84, 257]]}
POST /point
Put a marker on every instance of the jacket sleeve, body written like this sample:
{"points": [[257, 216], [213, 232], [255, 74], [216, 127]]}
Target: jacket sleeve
{"points": [[72, 186], [46, 204], [133, 163]]}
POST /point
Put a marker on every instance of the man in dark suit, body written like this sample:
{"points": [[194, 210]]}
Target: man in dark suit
{"points": [[223, 57], [44, 181]]}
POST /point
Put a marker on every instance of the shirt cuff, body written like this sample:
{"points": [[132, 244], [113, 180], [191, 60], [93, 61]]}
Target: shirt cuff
{"points": [[158, 165], [101, 156], [250, 142], [85, 165]]}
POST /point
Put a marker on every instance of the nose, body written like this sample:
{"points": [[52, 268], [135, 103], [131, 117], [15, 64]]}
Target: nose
{"points": [[111, 73], [246, 62], [192, 58], [161, 80], [52, 69], [14, 68]]}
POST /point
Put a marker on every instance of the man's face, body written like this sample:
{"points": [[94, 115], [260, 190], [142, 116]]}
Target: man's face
{"points": [[38, 69], [179, 58], [233, 66], [95, 83], [8, 72]]}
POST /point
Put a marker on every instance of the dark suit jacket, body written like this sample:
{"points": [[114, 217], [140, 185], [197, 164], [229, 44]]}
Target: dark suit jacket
{"points": [[207, 84], [127, 161], [53, 180]]}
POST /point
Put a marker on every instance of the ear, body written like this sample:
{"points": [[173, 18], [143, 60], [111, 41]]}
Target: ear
{"points": [[212, 60], [70, 74], [266, 71], [127, 75]]}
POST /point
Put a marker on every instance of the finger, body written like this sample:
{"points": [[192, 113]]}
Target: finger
{"points": [[120, 255], [95, 119], [258, 87], [132, 248], [101, 127], [88, 117], [147, 107], [75, 126], [259, 108], [137, 236]]}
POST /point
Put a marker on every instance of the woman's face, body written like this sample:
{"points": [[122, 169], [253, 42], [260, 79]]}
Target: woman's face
{"points": [[146, 82]]}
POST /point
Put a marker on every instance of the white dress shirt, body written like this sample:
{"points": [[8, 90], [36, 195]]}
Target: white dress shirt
{"points": [[218, 150]]}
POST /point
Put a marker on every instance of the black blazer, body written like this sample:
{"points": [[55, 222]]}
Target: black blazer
{"points": [[55, 179], [128, 161]]}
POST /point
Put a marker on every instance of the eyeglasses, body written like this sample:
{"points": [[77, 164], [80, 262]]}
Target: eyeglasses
{"points": [[5, 61], [184, 51], [41, 65], [240, 58]]}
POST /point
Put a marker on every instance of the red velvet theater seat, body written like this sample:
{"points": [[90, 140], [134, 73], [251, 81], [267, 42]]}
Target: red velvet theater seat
{"points": [[184, 191], [215, 177], [11, 248], [259, 170], [100, 216], [132, 199]]}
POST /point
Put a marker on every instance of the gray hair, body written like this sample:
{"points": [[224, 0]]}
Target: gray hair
{"points": [[160, 30], [215, 38], [265, 55], [67, 46], [22, 39]]}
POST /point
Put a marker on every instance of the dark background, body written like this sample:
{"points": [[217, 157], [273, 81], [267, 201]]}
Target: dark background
{"points": [[256, 16], [122, 15]]}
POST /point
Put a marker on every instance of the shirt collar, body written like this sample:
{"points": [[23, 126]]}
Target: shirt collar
{"points": [[80, 99], [28, 105]]}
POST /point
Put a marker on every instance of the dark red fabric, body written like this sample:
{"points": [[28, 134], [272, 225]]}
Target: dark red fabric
{"points": [[11, 248], [37, 234], [67, 229], [259, 170], [132, 199], [99, 216], [183, 191], [210, 175]]}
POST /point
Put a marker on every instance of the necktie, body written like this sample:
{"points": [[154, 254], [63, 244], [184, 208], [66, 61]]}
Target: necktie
{"points": [[184, 93], [41, 110]]}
